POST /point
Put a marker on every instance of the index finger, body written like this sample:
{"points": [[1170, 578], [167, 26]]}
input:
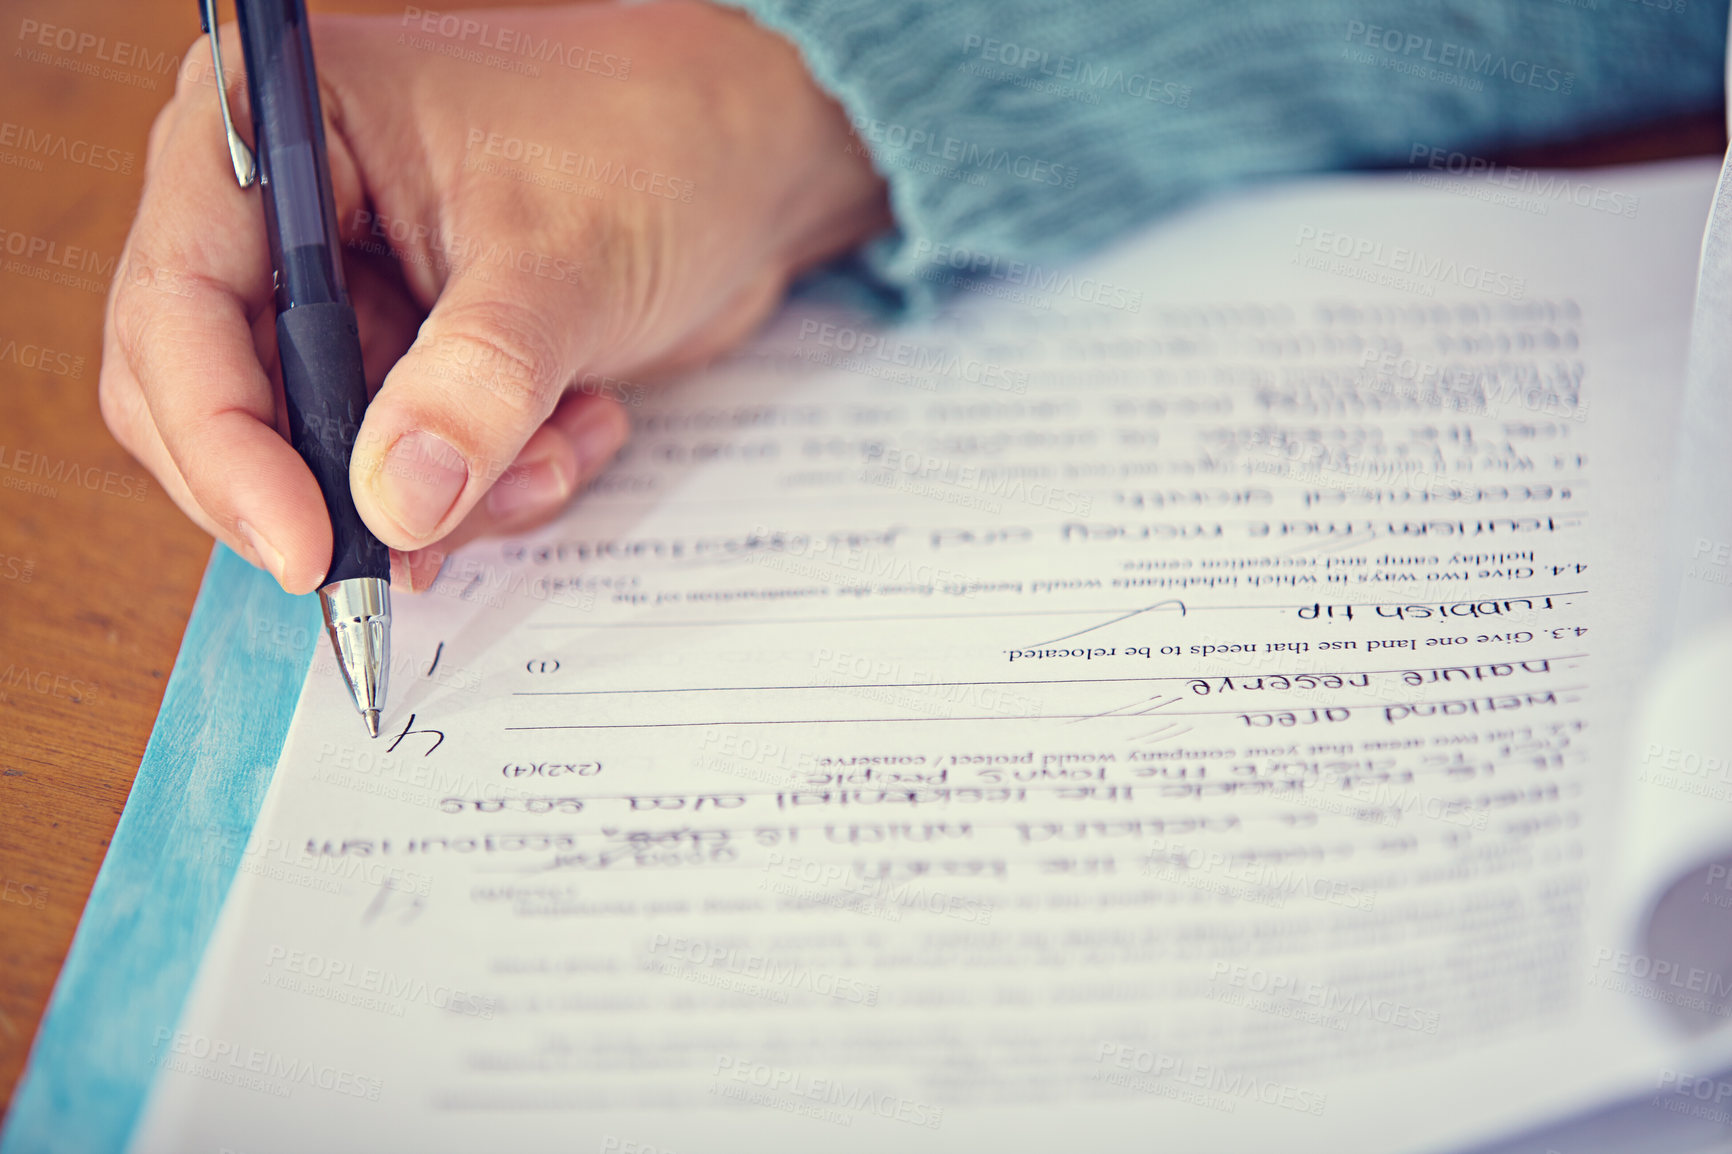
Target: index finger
{"points": [[191, 347]]}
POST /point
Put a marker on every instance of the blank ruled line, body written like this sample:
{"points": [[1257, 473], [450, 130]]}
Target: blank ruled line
{"points": [[1050, 681], [872, 619], [1272, 709]]}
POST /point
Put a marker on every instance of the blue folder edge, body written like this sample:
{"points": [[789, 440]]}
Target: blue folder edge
{"points": [[204, 774]]}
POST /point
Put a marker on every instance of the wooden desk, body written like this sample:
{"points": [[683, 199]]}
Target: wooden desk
{"points": [[97, 568], [95, 586]]}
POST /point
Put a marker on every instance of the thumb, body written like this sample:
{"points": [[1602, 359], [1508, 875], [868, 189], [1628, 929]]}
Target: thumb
{"points": [[487, 368]]}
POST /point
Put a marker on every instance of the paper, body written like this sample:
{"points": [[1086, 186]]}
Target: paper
{"points": [[1679, 815], [1175, 699]]}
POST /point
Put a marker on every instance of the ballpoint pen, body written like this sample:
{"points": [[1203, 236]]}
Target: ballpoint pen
{"points": [[317, 339]]}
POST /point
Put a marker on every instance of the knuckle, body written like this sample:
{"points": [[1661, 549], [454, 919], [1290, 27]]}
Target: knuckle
{"points": [[119, 408], [195, 67], [146, 289], [128, 316], [108, 403], [162, 129], [504, 352], [196, 79]]}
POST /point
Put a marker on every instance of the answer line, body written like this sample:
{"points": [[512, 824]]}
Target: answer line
{"points": [[1013, 681], [1273, 709], [871, 619]]}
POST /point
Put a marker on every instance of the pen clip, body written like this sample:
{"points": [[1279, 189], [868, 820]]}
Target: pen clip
{"points": [[239, 154]]}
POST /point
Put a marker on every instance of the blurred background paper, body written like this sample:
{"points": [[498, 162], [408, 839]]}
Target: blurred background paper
{"points": [[1681, 759]]}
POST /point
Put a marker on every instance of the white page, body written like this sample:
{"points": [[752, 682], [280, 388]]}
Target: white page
{"points": [[1680, 826], [852, 868]]}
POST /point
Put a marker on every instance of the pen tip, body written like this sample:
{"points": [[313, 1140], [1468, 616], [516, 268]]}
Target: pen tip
{"points": [[372, 716]]}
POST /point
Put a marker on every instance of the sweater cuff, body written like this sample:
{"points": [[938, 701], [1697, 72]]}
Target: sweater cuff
{"points": [[1036, 129], [952, 186]]}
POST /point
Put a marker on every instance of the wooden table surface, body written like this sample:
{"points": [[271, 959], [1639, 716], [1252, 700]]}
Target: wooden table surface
{"points": [[98, 569]]}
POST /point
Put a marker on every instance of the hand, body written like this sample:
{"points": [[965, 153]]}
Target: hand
{"points": [[515, 246]]}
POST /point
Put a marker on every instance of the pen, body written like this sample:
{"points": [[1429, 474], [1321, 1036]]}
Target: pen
{"points": [[317, 338]]}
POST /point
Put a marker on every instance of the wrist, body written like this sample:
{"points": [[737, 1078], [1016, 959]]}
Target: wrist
{"points": [[817, 193]]}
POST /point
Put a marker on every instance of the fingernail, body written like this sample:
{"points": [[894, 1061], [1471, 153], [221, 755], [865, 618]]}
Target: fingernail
{"points": [[597, 431], [533, 486], [420, 482], [267, 553]]}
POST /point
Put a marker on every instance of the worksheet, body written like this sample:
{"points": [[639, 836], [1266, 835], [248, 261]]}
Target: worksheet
{"points": [[1181, 700]]}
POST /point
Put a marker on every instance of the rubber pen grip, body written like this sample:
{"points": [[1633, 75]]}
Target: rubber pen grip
{"points": [[326, 390]]}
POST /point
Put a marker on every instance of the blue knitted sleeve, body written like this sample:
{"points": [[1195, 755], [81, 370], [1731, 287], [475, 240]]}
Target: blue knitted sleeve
{"points": [[1035, 129]]}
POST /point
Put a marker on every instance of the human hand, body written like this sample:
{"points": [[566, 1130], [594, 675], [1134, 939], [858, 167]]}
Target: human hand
{"points": [[637, 206]]}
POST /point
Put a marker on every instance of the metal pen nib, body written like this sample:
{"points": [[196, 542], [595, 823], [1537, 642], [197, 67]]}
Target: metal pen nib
{"points": [[358, 618]]}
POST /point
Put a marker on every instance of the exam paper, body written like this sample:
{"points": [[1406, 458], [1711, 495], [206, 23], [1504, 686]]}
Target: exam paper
{"points": [[1174, 701]]}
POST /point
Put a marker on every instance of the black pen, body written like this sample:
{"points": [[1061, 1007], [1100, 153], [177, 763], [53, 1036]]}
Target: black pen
{"points": [[317, 339]]}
